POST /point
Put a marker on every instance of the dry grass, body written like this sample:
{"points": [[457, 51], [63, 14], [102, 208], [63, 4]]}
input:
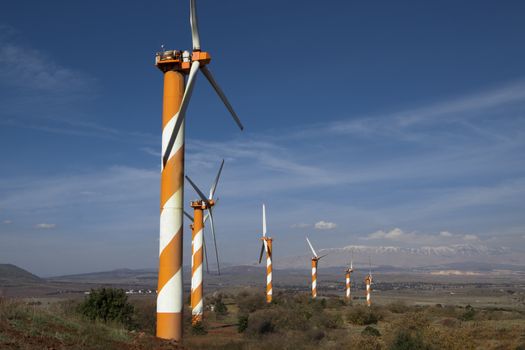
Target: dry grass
{"points": [[293, 321]]}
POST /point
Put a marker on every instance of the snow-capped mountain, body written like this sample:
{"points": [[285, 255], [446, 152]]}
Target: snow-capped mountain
{"points": [[410, 257]]}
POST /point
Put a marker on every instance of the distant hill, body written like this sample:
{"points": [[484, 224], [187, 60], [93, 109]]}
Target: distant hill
{"points": [[12, 275]]}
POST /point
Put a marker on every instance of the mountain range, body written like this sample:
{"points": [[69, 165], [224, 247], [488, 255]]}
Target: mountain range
{"points": [[411, 257]]}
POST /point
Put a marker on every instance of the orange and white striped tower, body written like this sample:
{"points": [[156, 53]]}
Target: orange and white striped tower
{"points": [[198, 246], [267, 246], [368, 282], [169, 298], [269, 286], [315, 261], [175, 65], [314, 277], [197, 305], [348, 274]]}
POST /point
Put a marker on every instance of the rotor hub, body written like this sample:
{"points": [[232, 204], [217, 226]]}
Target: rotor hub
{"points": [[203, 205], [179, 60]]}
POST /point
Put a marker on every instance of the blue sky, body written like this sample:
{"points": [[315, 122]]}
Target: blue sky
{"points": [[360, 118]]}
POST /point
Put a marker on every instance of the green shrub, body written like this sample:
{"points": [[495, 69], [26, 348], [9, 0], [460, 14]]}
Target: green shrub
{"points": [[405, 340], [371, 331], [261, 322], [217, 305], [242, 323], [469, 313], [362, 315], [248, 302], [107, 304]]}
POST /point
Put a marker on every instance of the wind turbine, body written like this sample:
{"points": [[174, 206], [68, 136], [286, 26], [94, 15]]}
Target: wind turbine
{"points": [[368, 282], [315, 260], [176, 65], [348, 273], [197, 239], [267, 246]]}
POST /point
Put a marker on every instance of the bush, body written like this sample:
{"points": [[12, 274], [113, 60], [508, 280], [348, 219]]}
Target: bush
{"points": [[362, 315], [261, 322], [405, 340], [217, 305], [398, 307], [371, 331], [249, 303], [242, 323], [327, 320], [469, 313], [107, 304]]}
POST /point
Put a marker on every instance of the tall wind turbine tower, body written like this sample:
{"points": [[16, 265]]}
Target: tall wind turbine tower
{"points": [[267, 246], [348, 274], [176, 66], [197, 240], [368, 282], [315, 261]]}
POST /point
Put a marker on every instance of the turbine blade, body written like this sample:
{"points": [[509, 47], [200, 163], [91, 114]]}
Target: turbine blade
{"points": [[181, 114], [261, 254], [194, 26], [322, 256], [311, 247], [188, 215], [264, 220], [199, 192], [214, 240], [214, 186], [209, 76]]}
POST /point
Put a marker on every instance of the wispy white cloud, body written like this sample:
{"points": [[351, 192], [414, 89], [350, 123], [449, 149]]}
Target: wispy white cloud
{"points": [[20, 65], [7, 222], [50, 102], [45, 226], [325, 225]]}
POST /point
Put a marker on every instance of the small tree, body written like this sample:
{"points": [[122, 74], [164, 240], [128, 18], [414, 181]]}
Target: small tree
{"points": [[242, 323], [107, 304]]}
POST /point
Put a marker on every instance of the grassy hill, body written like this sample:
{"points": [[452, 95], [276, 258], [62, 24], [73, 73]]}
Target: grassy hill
{"points": [[12, 275]]}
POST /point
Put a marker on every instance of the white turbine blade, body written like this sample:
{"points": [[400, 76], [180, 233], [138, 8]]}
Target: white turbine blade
{"points": [[199, 192], [194, 26], [221, 94], [188, 215], [264, 220], [322, 256], [214, 240], [311, 247], [206, 217], [181, 114], [351, 264], [214, 186]]}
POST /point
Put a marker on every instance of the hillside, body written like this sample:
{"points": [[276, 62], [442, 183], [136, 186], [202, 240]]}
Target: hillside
{"points": [[12, 275]]}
